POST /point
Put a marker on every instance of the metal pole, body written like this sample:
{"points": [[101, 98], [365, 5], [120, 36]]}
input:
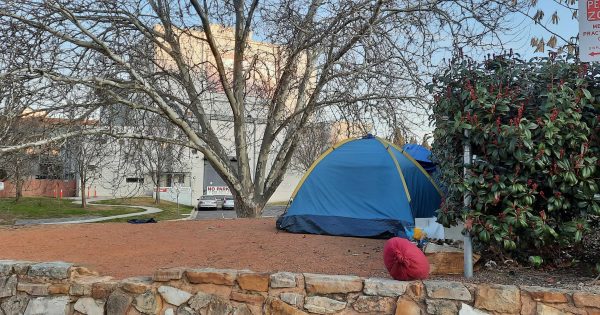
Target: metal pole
{"points": [[468, 245]]}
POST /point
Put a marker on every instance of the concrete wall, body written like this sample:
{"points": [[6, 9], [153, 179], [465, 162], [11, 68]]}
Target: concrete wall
{"points": [[62, 288]]}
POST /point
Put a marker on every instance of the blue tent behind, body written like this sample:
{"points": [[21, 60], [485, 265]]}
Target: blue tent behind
{"points": [[421, 154], [361, 187]]}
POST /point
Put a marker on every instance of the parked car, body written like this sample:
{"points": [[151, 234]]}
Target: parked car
{"points": [[228, 203], [207, 202]]}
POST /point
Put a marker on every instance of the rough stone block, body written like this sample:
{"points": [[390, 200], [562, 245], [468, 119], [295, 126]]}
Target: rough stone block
{"points": [[210, 275], [543, 309], [283, 280], [101, 290], [277, 307], [59, 288], [200, 300], [118, 303], [385, 287], [223, 291], [89, 306], [15, 305], [593, 311], [54, 270], [22, 267], [374, 304], [6, 267], [19, 267], [148, 303], [163, 275], [84, 286], [498, 298], [57, 305], [294, 299], [8, 286], [79, 271], [254, 281], [173, 295], [37, 289], [416, 290], [242, 309], [326, 284], [584, 299], [528, 305], [547, 295], [407, 307], [323, 305], [447, 290], [209, 304], [184, 310], [136, 285], [468, 310], [249, 298], [441, 307]]}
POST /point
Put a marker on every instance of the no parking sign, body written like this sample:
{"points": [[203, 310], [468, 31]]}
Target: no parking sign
{"points": [[589, 30]]}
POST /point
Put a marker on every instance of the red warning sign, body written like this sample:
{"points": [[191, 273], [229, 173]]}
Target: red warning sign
{"points": [[593, 10]]}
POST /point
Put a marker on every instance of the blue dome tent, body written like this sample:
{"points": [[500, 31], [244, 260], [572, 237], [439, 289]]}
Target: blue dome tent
{"points": [[364, 187], [421, 154]]}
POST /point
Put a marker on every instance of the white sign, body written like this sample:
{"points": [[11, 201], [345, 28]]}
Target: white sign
{"points": [[1, 185], [589, 30], [218, 191]]}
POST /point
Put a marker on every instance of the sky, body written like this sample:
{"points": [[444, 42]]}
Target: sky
{"points": [[525, 29]]}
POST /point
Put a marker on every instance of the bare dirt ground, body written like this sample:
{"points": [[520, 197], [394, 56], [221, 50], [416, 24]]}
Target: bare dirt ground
{"points": [[123, 250]]}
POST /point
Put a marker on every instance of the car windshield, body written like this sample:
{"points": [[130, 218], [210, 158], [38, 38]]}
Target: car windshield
{"points": [[229, 198], [207, 198]]}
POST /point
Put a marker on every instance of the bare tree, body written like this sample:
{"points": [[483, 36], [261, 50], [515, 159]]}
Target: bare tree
{"points": [[313, 141], [18, 168], [87, 155], [157, 159], [362, 59]]}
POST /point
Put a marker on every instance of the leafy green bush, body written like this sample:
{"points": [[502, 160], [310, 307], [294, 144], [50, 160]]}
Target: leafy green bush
{"points": [[534, 128]]}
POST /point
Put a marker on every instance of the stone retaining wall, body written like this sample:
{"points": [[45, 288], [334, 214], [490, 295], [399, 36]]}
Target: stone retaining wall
{"points": [[62, 288]]}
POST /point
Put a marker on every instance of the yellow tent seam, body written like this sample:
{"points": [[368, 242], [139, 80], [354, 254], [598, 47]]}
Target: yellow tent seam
{"points": [[410, 158], [398, 168]]}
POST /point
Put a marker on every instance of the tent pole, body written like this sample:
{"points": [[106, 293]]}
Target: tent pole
{"points": [[468, 245]]}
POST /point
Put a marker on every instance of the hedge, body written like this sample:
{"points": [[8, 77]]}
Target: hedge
{"points": [[534, 128]]}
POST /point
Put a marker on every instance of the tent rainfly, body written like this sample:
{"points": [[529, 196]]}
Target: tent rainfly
{"points": [[364, 187]]}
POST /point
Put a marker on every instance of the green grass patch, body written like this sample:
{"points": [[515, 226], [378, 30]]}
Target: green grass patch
{"points": [[48, 208], [169, 208]]}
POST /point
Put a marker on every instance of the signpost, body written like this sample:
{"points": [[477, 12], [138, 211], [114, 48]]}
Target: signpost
{"points": [[589, 30]]}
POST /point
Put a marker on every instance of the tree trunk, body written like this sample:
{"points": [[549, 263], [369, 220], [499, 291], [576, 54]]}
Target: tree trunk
{"points": [[18, 189], [83, 195], [248, 207], [157, 198], [18, 184]]}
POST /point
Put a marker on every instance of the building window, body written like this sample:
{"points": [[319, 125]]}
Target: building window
{"points": [[134, 180], [49, 171], [173, 179]]}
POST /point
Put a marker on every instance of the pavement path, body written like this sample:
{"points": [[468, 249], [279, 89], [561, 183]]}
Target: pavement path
{"points": [[270, 211], [74, 220]]}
